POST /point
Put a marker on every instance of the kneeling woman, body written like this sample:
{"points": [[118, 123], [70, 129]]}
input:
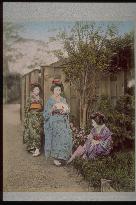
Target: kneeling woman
{"points": [[33, 123], [98, 142], [58, 135]]}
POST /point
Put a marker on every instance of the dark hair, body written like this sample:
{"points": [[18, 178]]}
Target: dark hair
{"points": [[99, 118], [54, 85], [33, 85]]}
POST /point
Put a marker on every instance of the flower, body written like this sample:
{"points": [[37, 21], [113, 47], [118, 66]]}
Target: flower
{"points": [[55, 81]]}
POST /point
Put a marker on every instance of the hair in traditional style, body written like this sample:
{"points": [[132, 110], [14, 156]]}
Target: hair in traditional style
{"points": [[33, 85], [99, 118], [57, 83]]}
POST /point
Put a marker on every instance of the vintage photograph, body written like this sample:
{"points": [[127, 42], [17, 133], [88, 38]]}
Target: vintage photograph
{"points": [[68, 104]]}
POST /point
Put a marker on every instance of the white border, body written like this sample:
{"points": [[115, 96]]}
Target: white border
{"points": [[69, 12]]}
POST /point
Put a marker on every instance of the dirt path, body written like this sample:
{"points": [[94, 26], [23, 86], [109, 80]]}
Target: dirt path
{"points": [[24, 173]]}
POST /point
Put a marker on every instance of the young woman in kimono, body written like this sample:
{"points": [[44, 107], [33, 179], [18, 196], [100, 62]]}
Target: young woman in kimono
{"points": [[33, 122], [58, 135], [98, 142]]}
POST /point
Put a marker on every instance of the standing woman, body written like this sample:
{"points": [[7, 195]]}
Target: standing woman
{"points": [[58, 135], [33, 122]]}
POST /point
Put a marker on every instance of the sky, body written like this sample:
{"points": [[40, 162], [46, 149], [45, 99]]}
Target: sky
{"points": [[38, 18], [43, 20], [44, 30]]}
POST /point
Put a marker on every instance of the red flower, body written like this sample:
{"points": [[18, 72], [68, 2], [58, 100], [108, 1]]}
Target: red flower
{"points": [[56, 81], [97, 137]]}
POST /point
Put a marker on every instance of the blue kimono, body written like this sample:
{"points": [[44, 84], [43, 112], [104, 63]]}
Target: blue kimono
{"points": [[58, 135]]}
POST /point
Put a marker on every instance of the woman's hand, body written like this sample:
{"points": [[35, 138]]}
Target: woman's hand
{"points": [[90, 136], [95, 142], [68, 110], [84, 156], [53, 108], [62, 111]]}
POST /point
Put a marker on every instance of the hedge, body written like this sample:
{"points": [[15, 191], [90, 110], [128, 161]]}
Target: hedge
{"points": [[118, 167]]}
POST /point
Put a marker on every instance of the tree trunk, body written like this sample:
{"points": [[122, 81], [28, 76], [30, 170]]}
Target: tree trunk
{"points": [[84, 115], [81, 113], [83, 107]]}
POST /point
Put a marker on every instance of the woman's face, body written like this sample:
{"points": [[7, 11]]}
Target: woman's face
{"points": [[57, 91], [94, 124], [36, 90]]}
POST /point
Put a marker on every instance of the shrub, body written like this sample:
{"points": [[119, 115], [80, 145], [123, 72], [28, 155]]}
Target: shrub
{"points": [[120, 120], [12, 85], [79, 136], [120, 169], [123, 127]]}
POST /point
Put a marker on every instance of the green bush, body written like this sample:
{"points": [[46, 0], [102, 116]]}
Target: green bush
{"points": [[119, 168], [12, 85], [120, 120]]}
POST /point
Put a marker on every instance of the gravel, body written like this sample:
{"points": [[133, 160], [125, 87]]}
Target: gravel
{"points": [[24, 173]]}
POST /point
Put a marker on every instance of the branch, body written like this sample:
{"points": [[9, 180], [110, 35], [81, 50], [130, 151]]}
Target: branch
{"points": [[102, 43]]}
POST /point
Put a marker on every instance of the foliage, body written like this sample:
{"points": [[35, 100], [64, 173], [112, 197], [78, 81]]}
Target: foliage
{"points": [[125, 120], [73, 120], [13, 87], [10, 32], [122, 41], [104, 105], [120, 120], [92, 49], [11, 82], [79, 136], [120, 169], [88, 51], [123, 53]]}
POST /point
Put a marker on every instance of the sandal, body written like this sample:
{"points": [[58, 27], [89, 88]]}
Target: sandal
{"points": [[32, 151], [57, 163], [36, 153]]}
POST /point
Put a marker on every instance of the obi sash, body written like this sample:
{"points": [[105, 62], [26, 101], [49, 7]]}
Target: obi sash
{"points": [[35, 106]]}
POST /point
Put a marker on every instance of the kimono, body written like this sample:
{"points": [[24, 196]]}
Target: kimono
{"points": [[105, 143], [33, 125], [58, 135], [91, 150]]}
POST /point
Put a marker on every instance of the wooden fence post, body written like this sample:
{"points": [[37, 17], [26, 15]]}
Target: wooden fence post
{"points": [[105, 186]]}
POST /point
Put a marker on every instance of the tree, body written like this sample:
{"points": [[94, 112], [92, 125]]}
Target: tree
{"points": [[88, 54], [120, 120], [123, 52], [10, 32], [10, 35]]}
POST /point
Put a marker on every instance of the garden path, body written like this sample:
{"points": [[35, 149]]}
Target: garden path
{"points": [[24, 173]]}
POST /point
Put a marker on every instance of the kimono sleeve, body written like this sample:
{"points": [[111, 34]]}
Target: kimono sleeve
{"points": [[65, 102], [47, 110], [106, 134], [27, 106], [106, 139], [41, 102]]}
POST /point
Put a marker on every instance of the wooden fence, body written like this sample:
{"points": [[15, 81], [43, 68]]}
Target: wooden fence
{"points": [[114, 86]]}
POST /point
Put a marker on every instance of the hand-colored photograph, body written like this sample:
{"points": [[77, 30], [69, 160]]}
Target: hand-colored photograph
{"points": [[68, 105]]}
